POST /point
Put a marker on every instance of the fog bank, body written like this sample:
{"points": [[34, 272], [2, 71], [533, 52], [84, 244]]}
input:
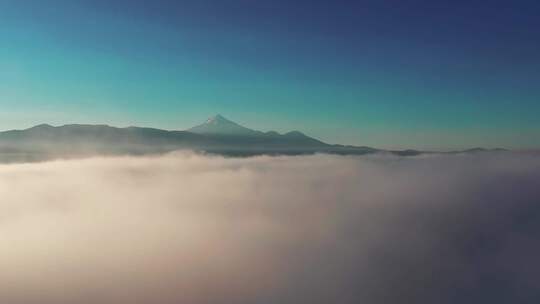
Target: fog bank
{"points": [[192, 229]]}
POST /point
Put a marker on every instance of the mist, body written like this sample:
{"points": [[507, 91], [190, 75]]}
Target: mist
{"points": [[191, 228]]}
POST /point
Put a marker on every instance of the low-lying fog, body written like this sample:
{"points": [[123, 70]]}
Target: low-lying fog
{"points": [[193, 229]]}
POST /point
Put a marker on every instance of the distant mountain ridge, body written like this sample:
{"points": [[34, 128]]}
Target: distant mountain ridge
{"points": [[219, 125], [217, 135]]}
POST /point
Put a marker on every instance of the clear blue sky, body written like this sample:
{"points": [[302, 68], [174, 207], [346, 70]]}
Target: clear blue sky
{"points": [[390, 74]]}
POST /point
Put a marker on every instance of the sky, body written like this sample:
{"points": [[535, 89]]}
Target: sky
{"points": [[389, 74]]}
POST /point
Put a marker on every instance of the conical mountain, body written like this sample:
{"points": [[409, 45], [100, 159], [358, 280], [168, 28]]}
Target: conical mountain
{"points": [[219, 125]]}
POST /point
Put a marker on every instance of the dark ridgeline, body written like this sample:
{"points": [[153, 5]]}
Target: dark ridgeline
{"points": [[217, 135]]}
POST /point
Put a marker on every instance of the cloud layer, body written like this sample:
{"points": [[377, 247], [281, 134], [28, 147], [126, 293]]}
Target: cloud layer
{"points": [[186, 228]]}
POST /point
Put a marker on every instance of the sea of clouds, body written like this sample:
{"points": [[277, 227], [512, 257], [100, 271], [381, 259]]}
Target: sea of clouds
{"points": [[195, 229]]}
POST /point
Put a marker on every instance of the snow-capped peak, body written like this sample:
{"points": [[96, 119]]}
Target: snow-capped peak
{"points": [[220, 125], [217, 119]]}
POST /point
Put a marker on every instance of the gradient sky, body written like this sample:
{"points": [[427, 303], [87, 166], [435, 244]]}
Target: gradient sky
{"points": [[390, 74]]}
